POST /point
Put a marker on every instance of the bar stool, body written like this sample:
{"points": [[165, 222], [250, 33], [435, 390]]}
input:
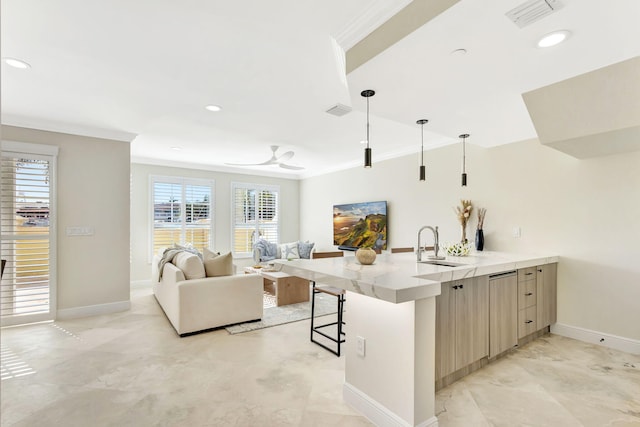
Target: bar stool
{"points": [[340, 335]]}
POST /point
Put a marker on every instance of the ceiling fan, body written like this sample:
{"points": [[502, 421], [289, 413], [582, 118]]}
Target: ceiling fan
{"points": [[274, 160]]}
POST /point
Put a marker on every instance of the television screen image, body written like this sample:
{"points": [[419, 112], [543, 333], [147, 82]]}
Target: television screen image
{"points": [[358, 225]]}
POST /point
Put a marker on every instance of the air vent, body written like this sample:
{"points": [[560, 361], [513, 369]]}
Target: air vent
{"points": [[532, 11], [339, 110]]}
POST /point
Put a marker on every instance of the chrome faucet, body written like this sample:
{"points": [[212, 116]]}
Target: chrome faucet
{"points": [[436, 246]]}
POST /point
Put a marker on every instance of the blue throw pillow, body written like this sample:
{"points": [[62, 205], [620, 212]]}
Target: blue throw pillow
{"points": [[271, 250], [304, 249]]}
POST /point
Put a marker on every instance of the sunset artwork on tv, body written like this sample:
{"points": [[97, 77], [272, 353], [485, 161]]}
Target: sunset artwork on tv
{"points": [[358, 225]]}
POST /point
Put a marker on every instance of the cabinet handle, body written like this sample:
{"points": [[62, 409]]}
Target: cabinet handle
{"points": [[528, 321], [539, 270], [528, 294], [461, 286], [455, 287], [528, 274]]}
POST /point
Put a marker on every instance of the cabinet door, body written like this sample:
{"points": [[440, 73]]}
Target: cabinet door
{"points": [[472, 320], [546, 284], [503, 313], [445, 331]]}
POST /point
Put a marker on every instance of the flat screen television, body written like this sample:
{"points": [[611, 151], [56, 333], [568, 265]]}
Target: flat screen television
{"points": [[357, 225]]}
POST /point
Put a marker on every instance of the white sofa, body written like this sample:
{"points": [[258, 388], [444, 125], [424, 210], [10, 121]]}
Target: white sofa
{"points": [[200, 304], [278, 251]]}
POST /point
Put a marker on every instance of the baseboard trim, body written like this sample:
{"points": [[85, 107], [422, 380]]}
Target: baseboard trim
{"points": [[594, 337], [92, 310], [375, 412]]}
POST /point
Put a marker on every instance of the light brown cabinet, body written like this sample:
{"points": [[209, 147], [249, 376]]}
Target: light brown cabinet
{"points": [[488, 315], [462, 324], [503, 312], [537, 299], [547, 290], [527, 301]]}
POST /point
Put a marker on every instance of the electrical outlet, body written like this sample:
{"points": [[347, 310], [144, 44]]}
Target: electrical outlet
{"points": [[360, 345], [516, 232]]}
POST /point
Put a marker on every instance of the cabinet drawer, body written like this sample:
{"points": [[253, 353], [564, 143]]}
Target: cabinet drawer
{"points": [[526, 321], [527, 294], [527, 274]]}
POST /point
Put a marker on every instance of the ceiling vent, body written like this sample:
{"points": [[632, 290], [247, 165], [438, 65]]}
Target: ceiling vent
{"points": [[532, 11], [339, 110]]}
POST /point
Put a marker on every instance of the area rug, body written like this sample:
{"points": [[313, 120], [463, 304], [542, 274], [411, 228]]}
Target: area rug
{"points": [[273, 316]]}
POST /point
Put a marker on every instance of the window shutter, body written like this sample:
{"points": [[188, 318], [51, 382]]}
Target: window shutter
{"points": [[182, 212], [255, 215], [26, 223]]}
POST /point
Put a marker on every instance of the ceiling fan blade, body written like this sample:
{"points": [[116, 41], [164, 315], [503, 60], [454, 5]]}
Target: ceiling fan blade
{"points": [[286, 156], [291, 167]]}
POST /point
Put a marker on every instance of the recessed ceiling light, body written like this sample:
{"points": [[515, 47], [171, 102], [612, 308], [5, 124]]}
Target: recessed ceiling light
{"points": [[17, 63], [553, 39], [459, 52], [213, 107], [176, 148]]}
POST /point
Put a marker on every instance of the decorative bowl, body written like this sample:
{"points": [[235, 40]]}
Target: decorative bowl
{"points": [[457, 249]]}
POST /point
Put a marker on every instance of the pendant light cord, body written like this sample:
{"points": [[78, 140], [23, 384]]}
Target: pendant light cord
{"points": [[422, 144], [464, 155], [367, 122]]}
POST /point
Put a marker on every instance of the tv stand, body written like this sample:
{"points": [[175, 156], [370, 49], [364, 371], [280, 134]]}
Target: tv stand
{"points": [[348, 248]]}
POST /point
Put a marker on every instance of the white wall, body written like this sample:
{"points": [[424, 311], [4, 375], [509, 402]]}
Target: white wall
{"points": [[141, 213], [586, 211], [93, 190]]}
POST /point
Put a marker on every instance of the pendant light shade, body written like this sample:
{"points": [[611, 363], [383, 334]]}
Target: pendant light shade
{"points": [[367, 151], [464, 136], [423, 169]]}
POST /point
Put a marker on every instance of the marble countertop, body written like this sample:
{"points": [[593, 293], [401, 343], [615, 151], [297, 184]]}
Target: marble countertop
{"points": [[399, 278]]}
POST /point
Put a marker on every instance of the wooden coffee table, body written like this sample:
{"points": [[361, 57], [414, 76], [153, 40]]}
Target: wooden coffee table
{"points": [[287, 289]]}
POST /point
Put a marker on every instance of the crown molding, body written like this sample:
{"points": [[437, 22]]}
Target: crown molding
{"points": [[374, 16]]}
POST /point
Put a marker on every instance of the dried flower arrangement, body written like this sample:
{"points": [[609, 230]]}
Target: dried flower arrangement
{"points": [[481, 214], [464, 213]]}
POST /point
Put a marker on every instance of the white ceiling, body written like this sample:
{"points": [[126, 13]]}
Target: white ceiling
{"points": [[147, 68]]}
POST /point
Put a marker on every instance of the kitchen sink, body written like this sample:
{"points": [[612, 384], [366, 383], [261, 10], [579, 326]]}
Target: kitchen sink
{"points": [[442, 263]]}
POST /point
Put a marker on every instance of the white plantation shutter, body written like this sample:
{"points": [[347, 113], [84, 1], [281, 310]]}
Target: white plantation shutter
{"points": [[255, 214], [182, 212], [27, 227]]}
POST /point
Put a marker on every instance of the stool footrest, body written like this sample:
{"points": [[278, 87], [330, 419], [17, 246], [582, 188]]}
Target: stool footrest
{"points": [[330, 290], [340, 299]]}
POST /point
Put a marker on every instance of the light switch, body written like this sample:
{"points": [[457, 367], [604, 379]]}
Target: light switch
{"points": [[84, 230], [516, 232], [360, 344]]}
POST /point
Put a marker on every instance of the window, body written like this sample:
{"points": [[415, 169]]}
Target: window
{"points": [[182, 212], [27, 228], [255, 214]]}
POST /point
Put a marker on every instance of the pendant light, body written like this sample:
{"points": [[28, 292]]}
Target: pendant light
{"points": [[423, 172], [367, 151], [464, 136]]}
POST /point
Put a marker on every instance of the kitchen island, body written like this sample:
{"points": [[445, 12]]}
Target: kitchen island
{"points": [[391, 311]]}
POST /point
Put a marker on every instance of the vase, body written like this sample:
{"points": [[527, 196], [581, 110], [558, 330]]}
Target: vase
{"points": [[366, 256], [463, 239], [479, 239]]}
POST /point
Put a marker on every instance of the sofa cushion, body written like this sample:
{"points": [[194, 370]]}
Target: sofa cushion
{"points": [[190, 264], [218, 265], [289, 250], [304, 249]]}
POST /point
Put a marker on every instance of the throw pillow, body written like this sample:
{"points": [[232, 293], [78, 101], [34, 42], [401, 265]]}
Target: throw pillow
{"points": [[190, 264], [304, 249], [271, 250], [289, 250], [219, 265]]}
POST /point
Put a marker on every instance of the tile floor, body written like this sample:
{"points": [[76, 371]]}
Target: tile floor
{"points": [[131, 369]]}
